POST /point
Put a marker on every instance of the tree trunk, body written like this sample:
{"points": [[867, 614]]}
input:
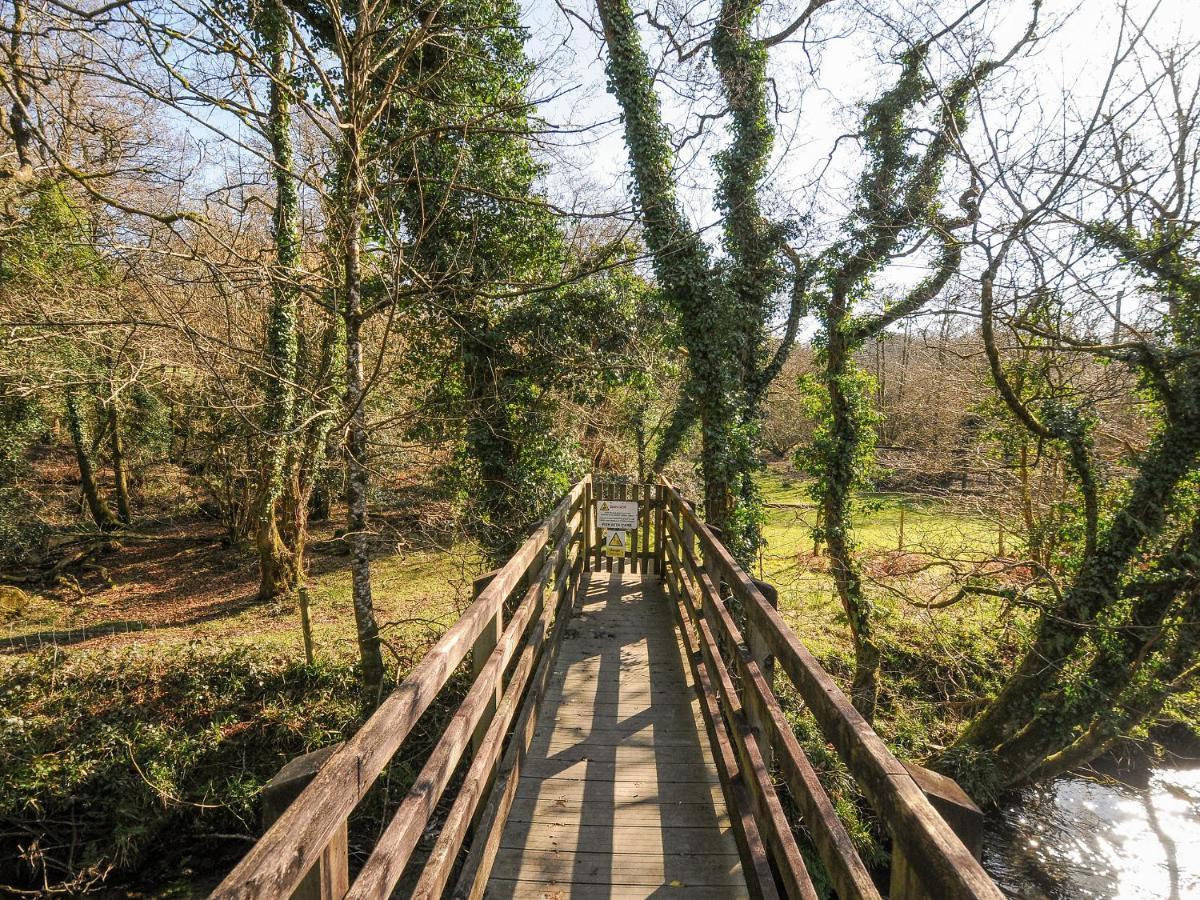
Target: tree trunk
{"points": [[102, 515], [277, 566], [358, 482], [1095, 587], [841, 460], [121, 482]]}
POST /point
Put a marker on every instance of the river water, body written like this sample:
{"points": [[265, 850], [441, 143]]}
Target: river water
{"points": [[1132, 839]]}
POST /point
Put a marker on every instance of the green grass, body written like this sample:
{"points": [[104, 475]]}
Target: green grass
{"points": [[935, 662]]}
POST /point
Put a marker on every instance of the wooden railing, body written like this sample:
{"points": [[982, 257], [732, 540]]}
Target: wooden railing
{"points": [[736, 640], [513, 656]]}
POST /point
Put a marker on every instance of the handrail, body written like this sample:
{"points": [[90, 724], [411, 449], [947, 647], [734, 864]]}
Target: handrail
{"points": [[733, 654], [945, 866], [834, 845], [277, 863]]}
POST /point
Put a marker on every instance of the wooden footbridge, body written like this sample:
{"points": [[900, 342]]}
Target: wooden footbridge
{"points": [[621, 738]]}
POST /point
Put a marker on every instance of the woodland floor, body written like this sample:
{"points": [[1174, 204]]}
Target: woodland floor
{"points": [[174, 580]]}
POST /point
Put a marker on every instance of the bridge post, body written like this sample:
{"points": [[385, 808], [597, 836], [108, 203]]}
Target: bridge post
{"points": [[961, 814], [481, 651], [760, 652], [587, 524], [710, 560], [329, 879]]}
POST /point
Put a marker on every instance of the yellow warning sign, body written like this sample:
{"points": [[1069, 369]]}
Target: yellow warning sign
{"points": [[614, 543]]}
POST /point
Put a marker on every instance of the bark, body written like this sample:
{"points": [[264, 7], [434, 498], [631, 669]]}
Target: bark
{"points": [[1176, 672], [681, 265], [846, 437], [357, 439], [1116, 663], [18, 116], [120, 479], [1095, 587], [277, 563], [102, 515]]}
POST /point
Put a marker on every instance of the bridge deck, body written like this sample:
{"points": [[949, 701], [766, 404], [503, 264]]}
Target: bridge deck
{"points": [[619, 797]]}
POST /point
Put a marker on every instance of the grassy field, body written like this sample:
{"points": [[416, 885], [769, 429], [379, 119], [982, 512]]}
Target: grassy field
{"points": [[937, 663]]}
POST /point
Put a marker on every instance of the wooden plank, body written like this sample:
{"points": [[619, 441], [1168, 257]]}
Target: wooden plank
{"points": [[597, 777], [948, 868], [635, 535], [275, 864], [659, 542], [665, 813], [769, 813], [644, 771], [573, 790], [760, 879], [386, 863], [646, 515], [481, 652], [620, 495], [438, 865], [646, 837], [589, 512], [680, 871], [330, 877], [507, 889], [833, 843], [477, 868]]}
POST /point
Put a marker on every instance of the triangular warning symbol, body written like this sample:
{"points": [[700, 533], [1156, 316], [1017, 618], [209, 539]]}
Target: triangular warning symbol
{"points": [[616, 540]]}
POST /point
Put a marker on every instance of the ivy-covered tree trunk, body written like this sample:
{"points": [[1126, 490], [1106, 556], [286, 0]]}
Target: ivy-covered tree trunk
{"points": [[681, 265], [276, 560], [101, 513], [1094, 588], [352, 197], [842, 449], [489, 442]]}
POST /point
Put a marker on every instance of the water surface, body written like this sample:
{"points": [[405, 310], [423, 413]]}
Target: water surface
{"points": [[1083, 837]]}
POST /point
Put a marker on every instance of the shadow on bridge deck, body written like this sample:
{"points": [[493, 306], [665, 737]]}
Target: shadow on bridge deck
{"points": [[619, 796]]}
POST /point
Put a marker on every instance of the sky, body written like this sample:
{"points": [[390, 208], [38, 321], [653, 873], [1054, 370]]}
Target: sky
{"points": [[811, 168]]}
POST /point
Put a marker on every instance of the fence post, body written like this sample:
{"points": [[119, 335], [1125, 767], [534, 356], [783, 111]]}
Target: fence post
{"points": [[760, 652], [587, 524], [961, 814], [710, 560], [481, 651], [329, 878]]}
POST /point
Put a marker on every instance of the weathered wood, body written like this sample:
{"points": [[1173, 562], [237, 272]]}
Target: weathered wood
{"points": [[959, 811], [659, 543], [760, 878], [440, 862], [473, 878], [329, 877], [391, 853], [769, 813], [760, 652], [589, 513], [275, 864], [949, 868], [481, 652], [508, 889], [646, 509], [834, 845], [616, 621]]}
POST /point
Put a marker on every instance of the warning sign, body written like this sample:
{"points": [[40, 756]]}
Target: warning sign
{"points": [[617, 515], [614, 543]]}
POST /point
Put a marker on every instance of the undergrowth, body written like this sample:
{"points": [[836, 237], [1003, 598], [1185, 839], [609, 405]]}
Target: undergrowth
{"points": [[145, 766]]}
